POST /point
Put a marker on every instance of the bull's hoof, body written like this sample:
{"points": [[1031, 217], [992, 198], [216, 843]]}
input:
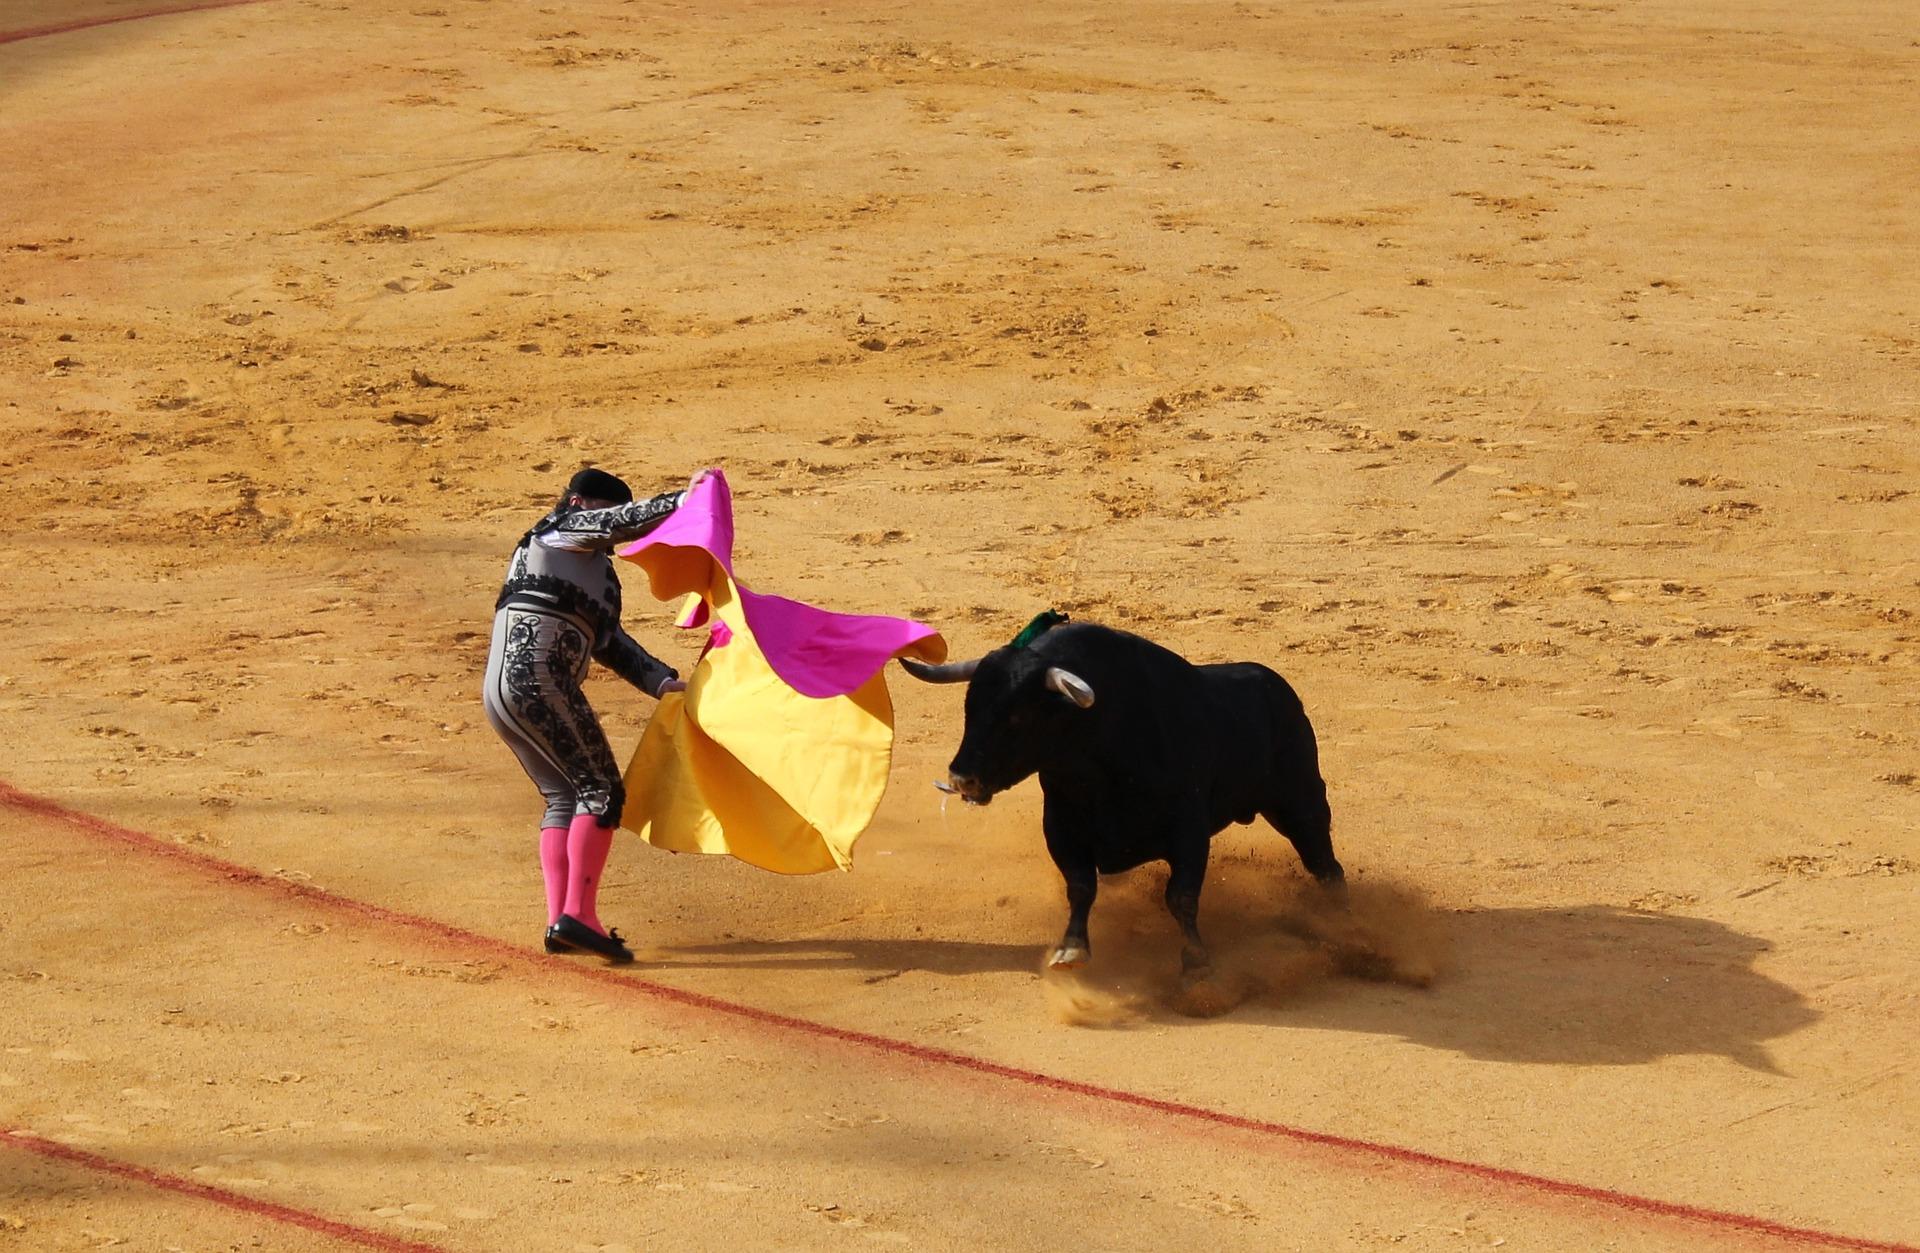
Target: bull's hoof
{"points": [[1069, 957], [1195, 964]]}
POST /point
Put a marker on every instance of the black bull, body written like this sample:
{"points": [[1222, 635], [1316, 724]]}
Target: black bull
{"points": [[1142, 756]]}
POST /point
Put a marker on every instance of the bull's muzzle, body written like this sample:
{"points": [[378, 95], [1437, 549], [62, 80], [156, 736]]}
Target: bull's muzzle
{"points": [[969, 788]]}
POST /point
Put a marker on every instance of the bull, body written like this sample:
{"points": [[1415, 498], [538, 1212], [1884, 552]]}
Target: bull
{"points": [[1142, 756]]}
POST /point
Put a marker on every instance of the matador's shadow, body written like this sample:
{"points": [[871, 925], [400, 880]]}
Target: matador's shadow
{"points": [[884, 959]]}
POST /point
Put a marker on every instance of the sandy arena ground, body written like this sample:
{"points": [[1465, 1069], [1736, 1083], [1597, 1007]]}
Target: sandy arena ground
{"points": [[1534, 384]]}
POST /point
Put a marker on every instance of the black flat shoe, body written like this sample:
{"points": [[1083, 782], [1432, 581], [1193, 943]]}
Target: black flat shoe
{"points": [[571, 931], [554, 944]]}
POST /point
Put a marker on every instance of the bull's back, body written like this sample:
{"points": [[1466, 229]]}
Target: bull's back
{"points": [[1182, 743], [1259, 738]]}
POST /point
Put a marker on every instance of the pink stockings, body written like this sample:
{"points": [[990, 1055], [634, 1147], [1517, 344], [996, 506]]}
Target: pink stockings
{"points": [[572, 860], [553, 868]]}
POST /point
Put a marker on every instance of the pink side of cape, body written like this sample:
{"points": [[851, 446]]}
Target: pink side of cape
{"points": [[816, 652]]}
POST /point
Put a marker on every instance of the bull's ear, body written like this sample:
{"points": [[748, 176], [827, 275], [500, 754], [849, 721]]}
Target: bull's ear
{"points": [[1071, 686]]}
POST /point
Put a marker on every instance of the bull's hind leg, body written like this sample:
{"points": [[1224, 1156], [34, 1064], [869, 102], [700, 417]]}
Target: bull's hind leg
{"points": [[1302, 815], [1189, 866]]}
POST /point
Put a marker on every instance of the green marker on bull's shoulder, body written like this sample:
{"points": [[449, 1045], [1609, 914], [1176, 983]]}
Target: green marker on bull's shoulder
{"points": [[1041, 624]]}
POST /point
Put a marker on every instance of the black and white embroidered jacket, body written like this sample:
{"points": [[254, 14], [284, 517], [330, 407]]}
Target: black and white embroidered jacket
{"points": [[562, 566]]}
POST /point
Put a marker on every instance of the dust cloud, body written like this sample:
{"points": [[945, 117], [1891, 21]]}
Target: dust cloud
{"points": [[1274, 935]]}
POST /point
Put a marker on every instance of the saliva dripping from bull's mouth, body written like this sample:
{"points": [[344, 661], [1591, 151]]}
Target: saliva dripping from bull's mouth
{"points": [[948, 788]]}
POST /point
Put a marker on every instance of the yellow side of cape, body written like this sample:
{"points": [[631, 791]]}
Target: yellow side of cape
{"points": [[744, 765]]}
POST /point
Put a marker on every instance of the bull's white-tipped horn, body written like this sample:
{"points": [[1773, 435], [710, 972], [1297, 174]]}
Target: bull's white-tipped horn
{"points": [[945, 672], [1071, 686]]}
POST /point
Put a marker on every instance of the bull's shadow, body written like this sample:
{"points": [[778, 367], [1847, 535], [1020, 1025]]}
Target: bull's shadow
{"points": [[1590, 985], [1582, 986]]}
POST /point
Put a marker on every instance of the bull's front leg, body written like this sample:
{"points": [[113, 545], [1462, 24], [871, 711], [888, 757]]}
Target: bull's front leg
{"points": [[1083, 884], [1189, 866], [1082, 873]]}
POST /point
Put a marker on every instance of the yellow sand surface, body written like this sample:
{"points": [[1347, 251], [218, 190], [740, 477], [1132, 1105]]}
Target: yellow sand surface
{"points": [[1533, 384]]}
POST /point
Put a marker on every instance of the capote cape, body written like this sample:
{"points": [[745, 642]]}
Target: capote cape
{"points": [[778, 751]]}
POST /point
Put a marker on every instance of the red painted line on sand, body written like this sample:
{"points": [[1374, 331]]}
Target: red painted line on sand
{"points": [[110, 19], [361, 1236], [472, 941]]}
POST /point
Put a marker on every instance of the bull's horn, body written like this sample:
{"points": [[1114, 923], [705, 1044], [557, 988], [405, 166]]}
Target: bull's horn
{"points": [[1071, 686], [945, 672]]}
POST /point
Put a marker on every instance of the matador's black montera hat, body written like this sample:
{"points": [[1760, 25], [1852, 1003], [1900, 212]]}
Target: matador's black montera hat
{"points": [[599, 485]]}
